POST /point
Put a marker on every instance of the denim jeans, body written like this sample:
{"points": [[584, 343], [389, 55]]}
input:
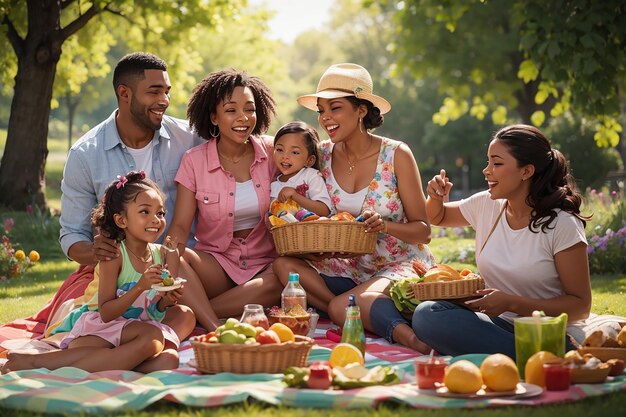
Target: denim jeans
{"points": [[454, 330]]}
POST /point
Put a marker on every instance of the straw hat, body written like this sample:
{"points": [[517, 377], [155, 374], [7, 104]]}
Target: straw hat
{"points": [[343, 80]]}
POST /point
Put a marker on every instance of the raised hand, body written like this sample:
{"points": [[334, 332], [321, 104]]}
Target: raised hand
{"points": [[439, 187]]}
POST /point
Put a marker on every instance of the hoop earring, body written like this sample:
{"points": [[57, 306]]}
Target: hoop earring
{"points": [[360, 127], [214, 131]]}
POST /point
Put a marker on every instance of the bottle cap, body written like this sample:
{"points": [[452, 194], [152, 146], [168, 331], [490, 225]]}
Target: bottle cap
{"points": [[294, 276], [351, 300]]}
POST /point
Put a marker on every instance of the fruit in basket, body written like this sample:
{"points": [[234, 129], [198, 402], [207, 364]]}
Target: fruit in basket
{"points": [[231, 337], [246, 329], [533, 371], [284, 333], [268, 337], [499, 373], [463, 377], [344, 354]]}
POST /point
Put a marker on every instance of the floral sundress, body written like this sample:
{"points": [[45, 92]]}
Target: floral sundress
{"points": [[392, 258]]}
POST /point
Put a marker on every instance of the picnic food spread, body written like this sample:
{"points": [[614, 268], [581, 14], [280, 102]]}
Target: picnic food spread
{"points": [[297, 318]]}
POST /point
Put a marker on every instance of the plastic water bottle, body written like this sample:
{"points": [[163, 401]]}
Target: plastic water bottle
{"points": [[293, 293], [353, 326]]}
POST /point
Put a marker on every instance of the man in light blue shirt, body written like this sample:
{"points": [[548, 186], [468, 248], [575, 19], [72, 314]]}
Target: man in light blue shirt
{"points": [[137, 136]]}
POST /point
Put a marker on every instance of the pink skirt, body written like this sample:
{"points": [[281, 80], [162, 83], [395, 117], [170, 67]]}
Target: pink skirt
{"points": [[91, 324]]}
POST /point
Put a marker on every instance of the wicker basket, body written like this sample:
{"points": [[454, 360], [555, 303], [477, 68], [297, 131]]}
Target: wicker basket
{"points": [[212, 358], [445, 290], [323, 236], [299, 325]]}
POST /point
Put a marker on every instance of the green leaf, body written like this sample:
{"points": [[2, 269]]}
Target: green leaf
{"points": [[538, 117]]}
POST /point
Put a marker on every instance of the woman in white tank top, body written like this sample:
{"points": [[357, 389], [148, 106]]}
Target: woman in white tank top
{"points": [[530, 247]]}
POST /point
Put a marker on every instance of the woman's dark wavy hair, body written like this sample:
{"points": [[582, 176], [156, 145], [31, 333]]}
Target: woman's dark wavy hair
{"points": [[310, 135], [116, 199], [552, 186], [218, 86], [373, 118]]}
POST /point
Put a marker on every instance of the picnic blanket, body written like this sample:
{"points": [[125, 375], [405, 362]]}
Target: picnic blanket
{"points": [[73, 391]]}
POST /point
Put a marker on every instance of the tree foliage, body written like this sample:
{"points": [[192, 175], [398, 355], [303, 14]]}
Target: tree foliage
{"points": [[36, 33], [537, 58]]}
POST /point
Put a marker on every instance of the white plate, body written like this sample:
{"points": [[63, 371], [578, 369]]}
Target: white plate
{"points": [[177, 284], [523, 390]]}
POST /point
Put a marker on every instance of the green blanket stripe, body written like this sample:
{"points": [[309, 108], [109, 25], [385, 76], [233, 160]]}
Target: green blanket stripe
{"points": [[73, 391]]}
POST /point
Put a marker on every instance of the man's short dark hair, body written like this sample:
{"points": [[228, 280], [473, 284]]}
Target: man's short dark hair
{"points": [[132, 66]]}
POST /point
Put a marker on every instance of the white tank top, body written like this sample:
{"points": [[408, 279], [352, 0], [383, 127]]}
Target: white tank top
{"points": [[246, 206], [143, 158], [352, 203]]}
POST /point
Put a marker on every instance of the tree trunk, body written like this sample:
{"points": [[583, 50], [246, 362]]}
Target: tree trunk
{"points": [[72, 105], [22, 170]]}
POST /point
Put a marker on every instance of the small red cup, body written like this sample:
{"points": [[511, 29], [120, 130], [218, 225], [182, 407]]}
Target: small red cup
{"points": [[429, 371], [558, 375]]}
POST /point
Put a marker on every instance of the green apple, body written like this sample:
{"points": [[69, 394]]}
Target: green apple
{"points": [[231, 337], [245, 329], [231, 323]]}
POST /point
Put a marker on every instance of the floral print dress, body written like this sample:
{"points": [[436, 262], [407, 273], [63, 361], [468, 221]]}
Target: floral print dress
{"points": [[392, 258]]}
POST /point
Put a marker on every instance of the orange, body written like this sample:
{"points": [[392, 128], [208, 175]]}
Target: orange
{"points": [[499, 373], [534, 367], [344, 354], [284, 333], [463, 377]]}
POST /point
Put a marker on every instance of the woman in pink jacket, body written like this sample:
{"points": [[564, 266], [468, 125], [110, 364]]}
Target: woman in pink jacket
{"points": [[226, 182]]}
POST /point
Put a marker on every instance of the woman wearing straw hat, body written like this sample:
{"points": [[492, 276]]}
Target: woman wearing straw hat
{"points": [[374, 176]]}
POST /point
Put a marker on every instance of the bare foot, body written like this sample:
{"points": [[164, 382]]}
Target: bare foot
{"points": [[17, 362], [403, 334]]}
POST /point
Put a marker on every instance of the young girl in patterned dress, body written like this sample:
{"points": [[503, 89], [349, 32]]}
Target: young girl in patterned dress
{"points": [[374, 176], [125, 324]]}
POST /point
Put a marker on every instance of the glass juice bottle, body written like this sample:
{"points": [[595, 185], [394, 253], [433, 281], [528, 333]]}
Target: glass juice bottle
{"points": [[293, 293], [353, 326]]}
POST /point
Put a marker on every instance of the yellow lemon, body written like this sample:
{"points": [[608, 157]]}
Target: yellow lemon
{"points": [[463, 377], [284, 333], [499, 373], [20, 255], [533, 372], [33, 256], [344, 354]]}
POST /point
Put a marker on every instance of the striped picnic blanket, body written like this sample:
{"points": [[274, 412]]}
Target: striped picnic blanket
{"points": [[73, 391]]}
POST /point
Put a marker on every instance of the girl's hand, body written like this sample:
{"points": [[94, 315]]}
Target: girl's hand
{"points": [[151, 276], [439, 187], [374, 222], [170, 298], [286, 193]]}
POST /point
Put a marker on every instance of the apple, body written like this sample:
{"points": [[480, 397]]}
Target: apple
{"points": [[267, 337]]}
